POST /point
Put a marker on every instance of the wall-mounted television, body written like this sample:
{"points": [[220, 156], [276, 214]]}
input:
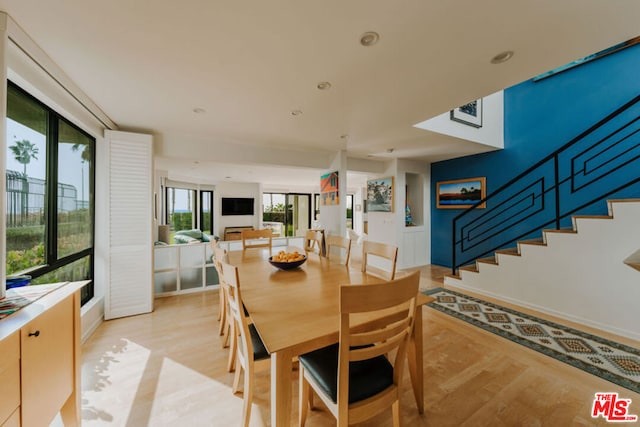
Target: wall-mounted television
{"points": [[237, 206]]}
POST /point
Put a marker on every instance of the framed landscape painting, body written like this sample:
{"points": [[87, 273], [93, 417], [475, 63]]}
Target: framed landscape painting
{"points": [[380, 195], [461, 193]]}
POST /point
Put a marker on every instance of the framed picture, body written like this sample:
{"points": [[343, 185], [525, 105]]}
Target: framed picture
{"points": [[329, 189], [461, 193], [380, 195], [469, 114]]}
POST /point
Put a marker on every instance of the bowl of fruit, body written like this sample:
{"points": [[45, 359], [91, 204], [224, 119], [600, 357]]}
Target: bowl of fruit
{"points": [[287, 260]]}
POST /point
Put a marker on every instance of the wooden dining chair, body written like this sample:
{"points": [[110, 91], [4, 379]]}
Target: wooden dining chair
{"points": [[355, 378], [313, 241], [382, 250], [221, 256], [251, 354], [340, 244], [256, 238]]}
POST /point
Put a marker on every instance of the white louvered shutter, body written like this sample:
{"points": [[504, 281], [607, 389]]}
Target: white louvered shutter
{"points": [[130, 289]]}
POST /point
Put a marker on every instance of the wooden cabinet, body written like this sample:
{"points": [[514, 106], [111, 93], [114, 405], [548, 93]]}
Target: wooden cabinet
{"points": [[235, 233], [40, 360], [47, 364], [9, 378]]}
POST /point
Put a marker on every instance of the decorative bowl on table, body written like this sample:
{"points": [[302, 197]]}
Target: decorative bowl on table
{"points": [[287, 260]]}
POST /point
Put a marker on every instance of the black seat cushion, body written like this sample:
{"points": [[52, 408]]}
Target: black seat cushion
{"points": [[259, 350], [366, 377]]}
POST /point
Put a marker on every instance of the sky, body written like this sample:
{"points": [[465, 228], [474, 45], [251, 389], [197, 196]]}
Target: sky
{"points": [[37, 167]]}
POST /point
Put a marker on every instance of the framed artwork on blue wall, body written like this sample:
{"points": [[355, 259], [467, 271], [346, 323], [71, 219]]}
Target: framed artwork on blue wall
{"points": [[461, 193], [469, 114]]}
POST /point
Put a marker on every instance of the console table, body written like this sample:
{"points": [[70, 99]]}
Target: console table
{"points": [[235, 233], [40, 355]]}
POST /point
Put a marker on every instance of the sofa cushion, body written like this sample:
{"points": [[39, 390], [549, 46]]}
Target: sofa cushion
{"points": [[195, 233]]}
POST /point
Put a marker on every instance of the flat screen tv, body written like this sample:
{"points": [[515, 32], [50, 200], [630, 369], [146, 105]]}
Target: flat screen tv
{"points": [[237, 206]]}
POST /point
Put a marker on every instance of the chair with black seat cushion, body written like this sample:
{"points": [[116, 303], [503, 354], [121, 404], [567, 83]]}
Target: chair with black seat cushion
{"points": [[355, 378], [251, 354]]}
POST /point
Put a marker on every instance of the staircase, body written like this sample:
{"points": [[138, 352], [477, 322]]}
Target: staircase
{"points": [[587, 273]]}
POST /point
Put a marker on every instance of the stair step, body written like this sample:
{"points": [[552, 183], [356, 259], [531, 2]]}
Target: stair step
{"points": [[488, 260], [623, 201], [635, 265], [537, 241], [592, 217], [633, 260], [453, 276], [566, 230], [471, 267], [509, 251]]}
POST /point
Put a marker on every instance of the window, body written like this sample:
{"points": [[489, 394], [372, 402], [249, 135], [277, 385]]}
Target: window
{"points": [[188, 209], [206, 212], [180, 209], [50, 194], [350, 211], [287, 214]]}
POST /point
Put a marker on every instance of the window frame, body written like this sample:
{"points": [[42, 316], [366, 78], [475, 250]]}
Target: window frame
{"points": [[51, 260]]}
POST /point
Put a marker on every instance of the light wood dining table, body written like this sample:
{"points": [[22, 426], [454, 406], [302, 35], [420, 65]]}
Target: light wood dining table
{"points": [[296, 311]]}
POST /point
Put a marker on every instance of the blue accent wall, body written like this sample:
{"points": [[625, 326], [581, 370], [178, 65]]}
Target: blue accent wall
{"points": [[539, 118]]}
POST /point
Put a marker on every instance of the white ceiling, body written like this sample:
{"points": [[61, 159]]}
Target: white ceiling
{"points": [[149, 64]]}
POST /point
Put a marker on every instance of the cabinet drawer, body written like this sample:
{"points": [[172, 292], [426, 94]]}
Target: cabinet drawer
{"points": [[9, 376]]}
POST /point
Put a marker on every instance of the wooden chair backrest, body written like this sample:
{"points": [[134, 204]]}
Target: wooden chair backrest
{"points": [[220, 255], [340, 243], [231, 283], [383, 250], [389, 332], [256, 238], [313, 240]]}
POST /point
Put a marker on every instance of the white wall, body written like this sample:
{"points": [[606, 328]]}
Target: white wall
{"points": [[414, 242], [383, 226], [491, 133], [3, 150], [334, 218]]}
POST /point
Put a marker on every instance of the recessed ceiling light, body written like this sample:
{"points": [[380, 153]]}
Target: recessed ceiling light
{"points": [[502, 57], [227, 177], [345, 136], [199, 110], [390, 150], [296, 112], [369, 38], [324, 85]]}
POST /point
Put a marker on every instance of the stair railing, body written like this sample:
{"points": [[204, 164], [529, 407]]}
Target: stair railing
{"points": [[599, 162]]}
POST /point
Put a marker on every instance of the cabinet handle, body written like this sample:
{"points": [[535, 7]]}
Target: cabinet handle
{"points": [[34, 334]]}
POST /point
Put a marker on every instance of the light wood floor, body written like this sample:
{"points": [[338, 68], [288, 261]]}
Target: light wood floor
{"points": [[167, 369]]}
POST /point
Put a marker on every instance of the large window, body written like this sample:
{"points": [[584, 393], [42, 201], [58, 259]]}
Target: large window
{"points": [[50, 215], [187, 209], [287, 214]]}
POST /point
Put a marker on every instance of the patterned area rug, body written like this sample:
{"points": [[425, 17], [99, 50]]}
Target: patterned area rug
{"points": [[610, 360], [18, 298]]}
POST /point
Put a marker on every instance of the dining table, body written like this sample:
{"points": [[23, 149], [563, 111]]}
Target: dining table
{"points": [[297, 311]]}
